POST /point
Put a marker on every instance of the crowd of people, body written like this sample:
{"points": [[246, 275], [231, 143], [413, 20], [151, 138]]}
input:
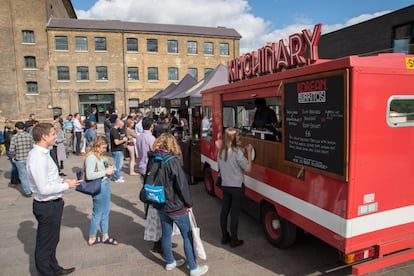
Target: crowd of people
{"points": [[37, 152]]}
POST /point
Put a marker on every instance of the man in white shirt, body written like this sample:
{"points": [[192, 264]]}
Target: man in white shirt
{"points": [[47, 187], [77, 126]]}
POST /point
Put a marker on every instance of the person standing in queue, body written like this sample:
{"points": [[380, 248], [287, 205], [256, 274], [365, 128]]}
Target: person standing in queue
{"points": [[47, 187], [232, 163], [117, 148]]}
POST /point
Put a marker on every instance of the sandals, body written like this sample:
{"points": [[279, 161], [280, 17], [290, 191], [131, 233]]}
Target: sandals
{"points": [[110, 241], [97, 241]]}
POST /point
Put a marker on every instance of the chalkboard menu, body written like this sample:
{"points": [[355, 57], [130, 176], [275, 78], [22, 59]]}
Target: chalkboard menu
{"points": [[314, 122]]}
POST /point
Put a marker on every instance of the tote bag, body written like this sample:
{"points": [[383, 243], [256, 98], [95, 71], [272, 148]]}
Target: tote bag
{"points": [[197, 242]]}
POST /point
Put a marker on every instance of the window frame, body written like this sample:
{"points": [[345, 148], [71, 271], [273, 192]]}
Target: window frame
{"points": [[101, 73], [207, 71], [30, 85], [391, 118], [98, 42], [190, 46], [152, 73], [128, 44], [30, 62], [81, 44], [78, 71], [152, 45], [173, 74], [208, 48], [193, 69], [60, 45], [28, 37], [172, 49], [137, 73], [60, 72], [222, 44]]}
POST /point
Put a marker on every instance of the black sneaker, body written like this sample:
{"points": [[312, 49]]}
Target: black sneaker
{"points": [[226, 239], [236, 242]]}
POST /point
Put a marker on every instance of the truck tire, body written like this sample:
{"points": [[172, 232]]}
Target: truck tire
{"points": [[209, 182], [279, 232]]}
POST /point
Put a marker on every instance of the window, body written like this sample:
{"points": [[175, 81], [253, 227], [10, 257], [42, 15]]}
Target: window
{"points": [[63, 73], [132, 45], [32, 87], [193, 72], [404, 39], [224, 49], [172, 73], [192, 47], [82, 73], [100, 43], [152, 45], [207, 71], [81, 43], [28, 36], [133, 73], [208, 48], [172, 46], [206, 126], [61, 43], [152, 73], [400, 111], [29, 62], [101, 73]]}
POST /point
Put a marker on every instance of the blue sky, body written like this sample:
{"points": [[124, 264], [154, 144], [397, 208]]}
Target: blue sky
{"points": [[258, 21]]}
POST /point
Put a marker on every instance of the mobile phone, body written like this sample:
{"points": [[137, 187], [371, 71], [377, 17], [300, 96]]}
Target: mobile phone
{"points": [[79, 175]]}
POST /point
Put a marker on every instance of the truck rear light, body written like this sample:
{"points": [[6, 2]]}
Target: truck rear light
{"points": [[361, 255]]}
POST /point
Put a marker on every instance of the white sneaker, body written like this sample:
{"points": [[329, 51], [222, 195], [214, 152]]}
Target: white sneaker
{"points": [[200, 270], [120, 180], [175, 264]]}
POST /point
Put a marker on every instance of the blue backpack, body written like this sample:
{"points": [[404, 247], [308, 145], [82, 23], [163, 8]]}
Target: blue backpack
{"points": [[153, 191], [2, 140]]}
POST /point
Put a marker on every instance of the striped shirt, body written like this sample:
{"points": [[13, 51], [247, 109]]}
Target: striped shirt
{"points": [[20, 145]]}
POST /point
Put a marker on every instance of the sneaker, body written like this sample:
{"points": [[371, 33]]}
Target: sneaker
{"points": [[175, 264], [120, 180], [200, 270]]}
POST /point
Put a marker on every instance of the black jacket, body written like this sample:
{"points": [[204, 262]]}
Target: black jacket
{"points": [[177, 190]]}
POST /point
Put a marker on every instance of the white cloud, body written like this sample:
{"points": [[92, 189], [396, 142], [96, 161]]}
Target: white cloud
{"points": [[255, 31]]}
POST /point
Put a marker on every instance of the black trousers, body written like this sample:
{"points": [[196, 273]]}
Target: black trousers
{"points": [[232, 199], [49, 217]]}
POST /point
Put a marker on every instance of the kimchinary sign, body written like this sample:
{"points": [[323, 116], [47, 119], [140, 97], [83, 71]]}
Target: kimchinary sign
{"points": [[302, 49]]}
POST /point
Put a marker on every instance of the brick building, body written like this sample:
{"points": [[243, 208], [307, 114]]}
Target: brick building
{"points": [[52, 59], [392, 32]]}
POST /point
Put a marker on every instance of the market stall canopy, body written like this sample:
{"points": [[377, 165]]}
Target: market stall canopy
{"points": [[156, 99], [193, 95], [187, 82]]}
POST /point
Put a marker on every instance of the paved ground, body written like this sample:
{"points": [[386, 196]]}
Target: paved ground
{"points": [[133, 256]]}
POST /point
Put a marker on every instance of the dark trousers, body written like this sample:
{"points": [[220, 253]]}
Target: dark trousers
{"points": [[49, 217], [232, 199], [78, 141]]}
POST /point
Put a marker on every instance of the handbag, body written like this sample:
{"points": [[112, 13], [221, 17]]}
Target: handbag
{"points": [[197, 242], [154, 194], [89, 187], [218, 181]]}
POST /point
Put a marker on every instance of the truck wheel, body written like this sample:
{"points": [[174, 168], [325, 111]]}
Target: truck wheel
{"points": [[208, 181], [279, 232]]}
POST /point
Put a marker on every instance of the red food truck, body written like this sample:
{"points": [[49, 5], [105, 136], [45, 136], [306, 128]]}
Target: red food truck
{"points": [[339, 164]]}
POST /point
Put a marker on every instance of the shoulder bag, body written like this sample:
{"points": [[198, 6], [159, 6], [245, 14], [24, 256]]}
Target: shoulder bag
{"points": [[89, 187]]}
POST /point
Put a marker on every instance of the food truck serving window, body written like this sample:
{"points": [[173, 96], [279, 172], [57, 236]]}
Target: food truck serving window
{"points": [[400, 111], [206, 127]]}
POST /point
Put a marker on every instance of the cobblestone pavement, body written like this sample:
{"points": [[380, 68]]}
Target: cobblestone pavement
{"points": [[133, 255]]}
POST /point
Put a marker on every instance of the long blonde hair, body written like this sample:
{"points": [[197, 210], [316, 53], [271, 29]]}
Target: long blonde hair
{"points": [[95, 145], [168, 142], [230, 142]]}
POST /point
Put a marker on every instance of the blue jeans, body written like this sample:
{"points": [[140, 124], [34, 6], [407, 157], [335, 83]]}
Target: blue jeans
{"points": [[119, 161], [183, 223], [101, 209], [78, 142], [21, 168], [14, 173]]}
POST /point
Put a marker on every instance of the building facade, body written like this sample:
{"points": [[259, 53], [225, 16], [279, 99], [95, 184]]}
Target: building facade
{"points": [[54, 62], [392, 32]]}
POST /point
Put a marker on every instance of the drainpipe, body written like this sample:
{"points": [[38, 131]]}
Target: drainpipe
{"points": [[123, 73]]}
